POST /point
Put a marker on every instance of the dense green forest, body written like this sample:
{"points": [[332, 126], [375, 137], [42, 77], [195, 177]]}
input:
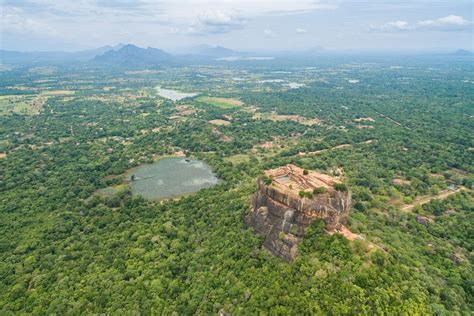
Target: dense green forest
{"points": [[398, 131]]}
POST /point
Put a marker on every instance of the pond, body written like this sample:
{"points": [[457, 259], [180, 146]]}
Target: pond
{"points": [[295, 85], [170, 177], [173, 95]]}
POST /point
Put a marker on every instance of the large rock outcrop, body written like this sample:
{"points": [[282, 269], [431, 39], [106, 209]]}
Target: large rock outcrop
{"points": [[288, 200]]}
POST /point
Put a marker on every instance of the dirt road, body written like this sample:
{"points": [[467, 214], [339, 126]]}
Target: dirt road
{"points": [[427, 198]]}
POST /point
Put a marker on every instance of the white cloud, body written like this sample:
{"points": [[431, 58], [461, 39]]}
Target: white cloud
{"points": [[395, 26], [447, 23], [215, 22], [248, 8], [229, 15], [269, 33], [301, 31]]}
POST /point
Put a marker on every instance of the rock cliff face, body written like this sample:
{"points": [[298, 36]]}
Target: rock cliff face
{"points": [[281, 214]]}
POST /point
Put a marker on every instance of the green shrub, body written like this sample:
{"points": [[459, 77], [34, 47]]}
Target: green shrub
{"points": [[267, 180], [303, 194], [340, 187], [319, 190], [281, 235]]}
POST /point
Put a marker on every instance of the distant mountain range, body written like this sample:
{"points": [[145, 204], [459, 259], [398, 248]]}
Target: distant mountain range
{"points": [[122, 55], [212, 51], [133, 56], [128, 55], [14, 57], [463, 52]]}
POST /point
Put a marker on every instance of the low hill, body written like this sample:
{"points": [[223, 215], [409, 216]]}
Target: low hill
{"points": [[213, 51]]}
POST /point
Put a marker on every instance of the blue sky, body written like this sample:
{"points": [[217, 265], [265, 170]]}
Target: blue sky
{"points": [[243, 25]]}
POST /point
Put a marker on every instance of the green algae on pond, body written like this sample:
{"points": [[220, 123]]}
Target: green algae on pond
{"points": [[170, 177], [109, 191]]}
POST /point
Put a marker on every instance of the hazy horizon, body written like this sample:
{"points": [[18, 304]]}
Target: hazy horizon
{"points": [[257, 26]]}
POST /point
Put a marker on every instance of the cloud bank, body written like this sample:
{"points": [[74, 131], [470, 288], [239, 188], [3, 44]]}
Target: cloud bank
{"points": [[216, 22], [239, 24], [447, 23]]}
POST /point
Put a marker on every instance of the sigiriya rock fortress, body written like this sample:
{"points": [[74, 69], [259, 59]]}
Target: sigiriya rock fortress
{"points": [[288, 200]]}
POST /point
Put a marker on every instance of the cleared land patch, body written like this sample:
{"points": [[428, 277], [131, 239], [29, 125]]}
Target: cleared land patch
{"points": [[401, 182], [364, 119], [223, 103], [344, 231], [57, 92], [185, 110], [280, 117], [219, 122], [21, 104]]}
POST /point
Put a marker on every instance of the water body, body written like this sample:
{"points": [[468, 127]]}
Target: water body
{"points": [[295, 85], [173, 95], [272, 81], [171, 177], [353, 80], [236, 58]]}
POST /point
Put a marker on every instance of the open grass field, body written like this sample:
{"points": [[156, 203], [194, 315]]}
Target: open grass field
{"points": [[223, 103], [236, 159]]}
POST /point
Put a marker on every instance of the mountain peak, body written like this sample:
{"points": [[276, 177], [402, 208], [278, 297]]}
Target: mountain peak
{"points": [[130, 46], [463, 52], [133, 56], [213, 51]]}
